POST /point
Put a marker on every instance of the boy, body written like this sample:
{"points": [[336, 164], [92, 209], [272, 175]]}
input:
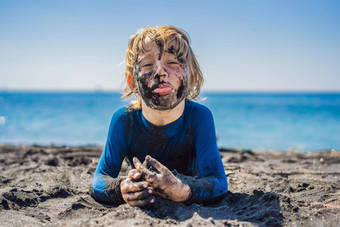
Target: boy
{"points": [[169, 140]]}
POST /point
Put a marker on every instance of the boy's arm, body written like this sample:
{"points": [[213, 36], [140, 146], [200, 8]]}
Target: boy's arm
{"points": [[105, 186], [210, 184]]}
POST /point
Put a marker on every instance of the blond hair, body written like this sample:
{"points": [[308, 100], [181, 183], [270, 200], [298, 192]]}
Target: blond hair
{"points": [[164, 35]]}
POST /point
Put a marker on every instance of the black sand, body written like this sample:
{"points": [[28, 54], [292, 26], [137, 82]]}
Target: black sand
{"points": [[49, 186]]}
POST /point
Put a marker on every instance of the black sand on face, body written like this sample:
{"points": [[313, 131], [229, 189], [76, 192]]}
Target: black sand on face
{"points": [[49, 186]]}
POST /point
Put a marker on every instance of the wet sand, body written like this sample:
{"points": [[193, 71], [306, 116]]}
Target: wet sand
{"points": [[49, 186]]}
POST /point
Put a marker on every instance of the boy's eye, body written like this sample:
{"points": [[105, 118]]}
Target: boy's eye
{"points": [[146, 65], [173, 62]]}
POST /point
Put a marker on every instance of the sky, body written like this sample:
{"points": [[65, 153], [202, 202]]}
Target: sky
{"points": [[246, 45]]}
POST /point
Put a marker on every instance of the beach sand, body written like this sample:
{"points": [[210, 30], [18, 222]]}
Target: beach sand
{"points": [[49, 186]]}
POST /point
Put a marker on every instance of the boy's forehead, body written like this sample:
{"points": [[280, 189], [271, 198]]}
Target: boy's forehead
{"points": [[148, 47]]}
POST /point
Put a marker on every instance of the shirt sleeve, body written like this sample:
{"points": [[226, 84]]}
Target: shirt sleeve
{"points": [[105, 186], [210, 184]]}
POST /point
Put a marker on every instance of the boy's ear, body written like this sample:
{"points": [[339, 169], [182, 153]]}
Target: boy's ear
{"points": [[131, 83]]}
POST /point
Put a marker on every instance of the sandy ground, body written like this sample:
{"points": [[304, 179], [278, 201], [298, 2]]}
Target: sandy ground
{"points": [[49, 186]]}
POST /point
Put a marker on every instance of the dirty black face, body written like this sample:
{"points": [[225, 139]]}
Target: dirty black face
{"points": [[161, 78], [160, 101]]}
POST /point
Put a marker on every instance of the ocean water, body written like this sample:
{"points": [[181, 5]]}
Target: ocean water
{"points": [[305, 122]]}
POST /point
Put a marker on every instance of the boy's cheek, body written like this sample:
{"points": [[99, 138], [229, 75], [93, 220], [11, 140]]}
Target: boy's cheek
{"points": [[145, 80], [181, 71], [181, 75]]}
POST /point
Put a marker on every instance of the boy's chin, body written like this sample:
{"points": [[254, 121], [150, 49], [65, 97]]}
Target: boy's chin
{"points": [[164, 105], [164, 102]]}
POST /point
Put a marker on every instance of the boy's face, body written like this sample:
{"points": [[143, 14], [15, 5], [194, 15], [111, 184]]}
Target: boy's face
{"points": [[162, 81]]}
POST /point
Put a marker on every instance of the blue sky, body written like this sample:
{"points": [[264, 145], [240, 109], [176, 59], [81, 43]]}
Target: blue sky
{"points": [[241, 45]]}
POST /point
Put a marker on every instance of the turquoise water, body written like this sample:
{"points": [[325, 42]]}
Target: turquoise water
{"points": [[306, 122]]}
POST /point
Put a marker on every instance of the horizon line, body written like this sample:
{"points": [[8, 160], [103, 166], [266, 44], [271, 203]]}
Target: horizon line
{"points": [[202, 91]]}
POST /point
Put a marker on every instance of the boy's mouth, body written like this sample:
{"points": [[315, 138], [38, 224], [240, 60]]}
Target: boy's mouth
{"points": [[162, 89]]}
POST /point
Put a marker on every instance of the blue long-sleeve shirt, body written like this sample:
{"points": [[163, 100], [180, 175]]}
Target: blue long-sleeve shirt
{"points": [[186, 146]]}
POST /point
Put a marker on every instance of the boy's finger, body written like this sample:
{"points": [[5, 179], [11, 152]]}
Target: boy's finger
{"points": [[147, 174], [130, 186], [137, 164], [145, 203], [134, 174], [154, 163], [138, 195]]}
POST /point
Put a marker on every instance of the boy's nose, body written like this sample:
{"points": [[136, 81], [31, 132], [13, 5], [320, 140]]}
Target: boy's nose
{"points": [[161, 71]]}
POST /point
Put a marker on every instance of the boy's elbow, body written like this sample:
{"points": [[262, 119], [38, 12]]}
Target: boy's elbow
{"points": [[212, 192], [98, 195], [221, 188], [93, 191], [96, 189], [225, 185]]}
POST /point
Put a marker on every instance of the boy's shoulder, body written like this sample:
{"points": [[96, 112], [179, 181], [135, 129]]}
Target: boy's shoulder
{"points": [[125, 113], [200, 118], [197, 108], [198, 113]]}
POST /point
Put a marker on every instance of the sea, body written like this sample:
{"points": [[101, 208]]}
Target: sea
{"points": [[305, 122]]}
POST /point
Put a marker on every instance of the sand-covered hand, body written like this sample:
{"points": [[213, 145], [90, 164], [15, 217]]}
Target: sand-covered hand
{"points": [[136, 192], [162, 180]]}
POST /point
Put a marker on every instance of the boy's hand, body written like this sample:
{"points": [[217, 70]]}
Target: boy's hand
{"points": [[135, 192], [162, 180]]}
